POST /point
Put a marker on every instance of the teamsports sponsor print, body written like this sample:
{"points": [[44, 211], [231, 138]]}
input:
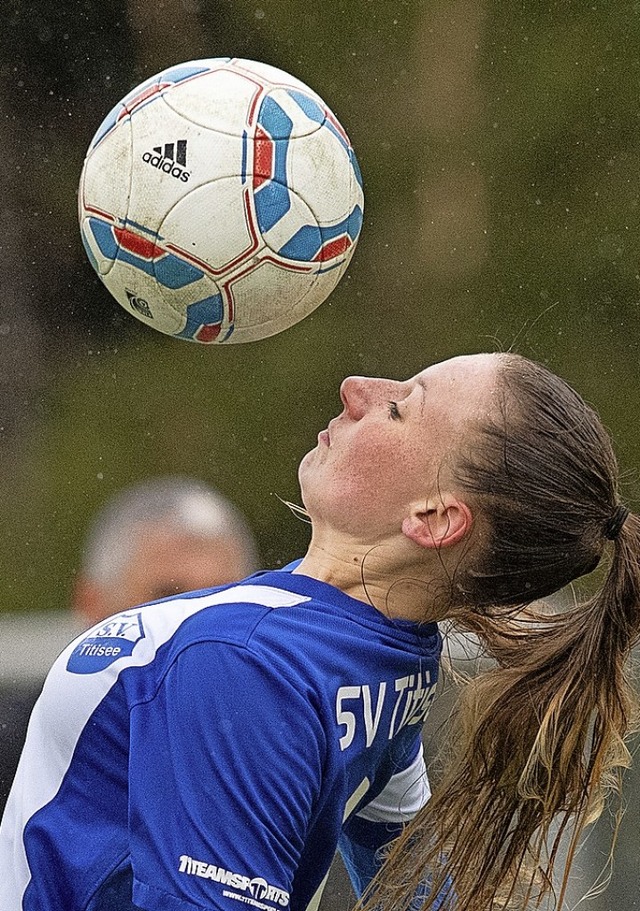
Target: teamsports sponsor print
{"points": [[255, 891]]}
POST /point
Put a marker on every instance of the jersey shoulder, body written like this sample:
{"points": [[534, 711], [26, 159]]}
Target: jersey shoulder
{"points": [[143, 634]]}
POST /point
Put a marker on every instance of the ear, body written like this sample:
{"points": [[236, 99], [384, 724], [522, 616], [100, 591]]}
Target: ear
{"points": [[438, 523]]}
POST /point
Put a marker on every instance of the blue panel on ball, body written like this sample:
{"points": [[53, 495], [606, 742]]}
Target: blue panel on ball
{"points": [[107, 244], [330, 232], [243, 173], [311, 108], [314, 112], [173, 272], [184, 71], [304, 244], [274, 120], [89, 251], [308, 240], [354, 223], [203, 313], [355, 166], [272, 202], [272, 198], [144, 265]]}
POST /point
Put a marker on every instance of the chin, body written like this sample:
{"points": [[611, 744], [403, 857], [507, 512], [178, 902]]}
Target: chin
{"points": [[310, 488], [305, 497], [304, 467]]}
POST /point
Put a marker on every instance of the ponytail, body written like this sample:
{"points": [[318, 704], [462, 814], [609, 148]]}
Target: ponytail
{"points": [[540, 739]]}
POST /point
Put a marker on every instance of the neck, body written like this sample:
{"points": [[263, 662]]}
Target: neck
{"points": [[378, 574]]}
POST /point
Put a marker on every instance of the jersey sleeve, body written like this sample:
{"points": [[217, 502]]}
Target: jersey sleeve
{"points": [[368, 832], [225, 766], [404, 791]]}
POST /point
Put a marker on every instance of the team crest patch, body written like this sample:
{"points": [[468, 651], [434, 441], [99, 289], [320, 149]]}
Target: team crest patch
{"points": [[115, 638]]}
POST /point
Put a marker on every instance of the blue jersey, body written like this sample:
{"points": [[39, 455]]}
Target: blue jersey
{"points": [[215, 748]]}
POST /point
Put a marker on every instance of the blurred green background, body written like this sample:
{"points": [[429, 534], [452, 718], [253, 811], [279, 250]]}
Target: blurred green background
{"points": [[500, 150]]}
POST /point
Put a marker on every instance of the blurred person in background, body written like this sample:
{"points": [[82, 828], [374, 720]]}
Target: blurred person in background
{"points": [[155, 538], [158, 538]]}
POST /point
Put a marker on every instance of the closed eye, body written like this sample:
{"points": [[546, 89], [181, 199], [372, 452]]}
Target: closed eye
{"points": [[394, 413]]}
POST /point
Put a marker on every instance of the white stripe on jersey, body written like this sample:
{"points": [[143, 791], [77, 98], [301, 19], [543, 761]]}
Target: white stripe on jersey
{"points": [[405, 794], [36, 782]]}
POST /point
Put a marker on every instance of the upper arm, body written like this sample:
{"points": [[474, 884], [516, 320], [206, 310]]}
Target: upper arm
{"points": [[405, 790], [221, 792]]}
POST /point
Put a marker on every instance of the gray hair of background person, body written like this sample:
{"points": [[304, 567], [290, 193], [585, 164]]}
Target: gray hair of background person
{"points": [[183, 504]]}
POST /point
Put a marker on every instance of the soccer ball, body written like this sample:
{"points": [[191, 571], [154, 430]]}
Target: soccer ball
{"points": [[220, 201]]}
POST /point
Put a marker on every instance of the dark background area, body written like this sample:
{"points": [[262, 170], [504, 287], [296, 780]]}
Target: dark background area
{"points": [[500, 149]]}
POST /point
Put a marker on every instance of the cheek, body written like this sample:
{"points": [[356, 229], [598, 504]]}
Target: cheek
{"points": [[372, 476], [386, 461], [372, 473]]}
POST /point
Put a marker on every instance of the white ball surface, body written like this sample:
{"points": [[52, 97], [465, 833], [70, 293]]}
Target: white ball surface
{"points": [[220, 201]]}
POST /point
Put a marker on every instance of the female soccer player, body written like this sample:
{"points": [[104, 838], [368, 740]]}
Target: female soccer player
{"points": [[215, 748]]}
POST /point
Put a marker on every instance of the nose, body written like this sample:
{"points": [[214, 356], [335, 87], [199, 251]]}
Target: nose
{"points": [[358, 393]]}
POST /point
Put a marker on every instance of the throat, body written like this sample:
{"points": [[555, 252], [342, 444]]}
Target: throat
{"points": [[361, 576]]}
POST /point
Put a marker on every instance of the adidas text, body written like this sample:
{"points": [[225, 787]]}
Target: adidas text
{"points": [[167, 165]]}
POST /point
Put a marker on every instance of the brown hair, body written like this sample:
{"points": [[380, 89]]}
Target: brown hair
{"points": [[541, 737]]}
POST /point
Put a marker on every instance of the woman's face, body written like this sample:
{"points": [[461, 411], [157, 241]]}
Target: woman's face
{"points": [[393, 443]]}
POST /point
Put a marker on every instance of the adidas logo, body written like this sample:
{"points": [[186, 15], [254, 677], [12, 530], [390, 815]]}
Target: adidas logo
{"points": [[139, 304], [171, 158]]}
